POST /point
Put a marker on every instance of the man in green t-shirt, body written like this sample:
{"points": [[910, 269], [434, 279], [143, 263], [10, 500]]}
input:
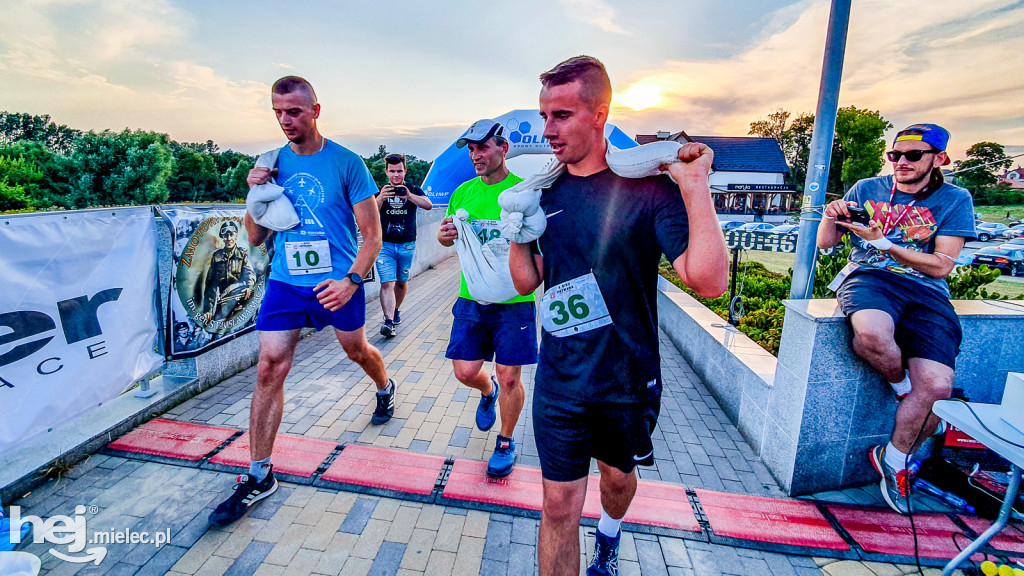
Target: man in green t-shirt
{"points": [[505, 332]]}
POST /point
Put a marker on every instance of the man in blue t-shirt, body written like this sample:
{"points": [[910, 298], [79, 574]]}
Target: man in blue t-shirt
{"points": [[397, 202], [894, 291], [598, 385], [316, 276]]}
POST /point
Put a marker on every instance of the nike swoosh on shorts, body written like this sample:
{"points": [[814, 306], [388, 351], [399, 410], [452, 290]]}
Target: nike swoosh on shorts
{"points": [[646, 456]]}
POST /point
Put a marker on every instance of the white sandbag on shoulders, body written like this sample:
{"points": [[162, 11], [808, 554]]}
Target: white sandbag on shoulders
{"points": [[487, 276], [523, 221], [267, 204]]}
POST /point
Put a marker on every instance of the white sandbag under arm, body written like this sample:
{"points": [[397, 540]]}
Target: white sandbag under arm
{"points": [[267, 204], [487, 276]]}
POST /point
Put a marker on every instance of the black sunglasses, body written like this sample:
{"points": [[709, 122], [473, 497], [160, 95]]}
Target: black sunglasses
{"points": [[912, 155]]}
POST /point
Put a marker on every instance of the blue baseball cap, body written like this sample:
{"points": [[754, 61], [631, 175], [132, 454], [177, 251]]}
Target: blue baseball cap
{"points": [[932, 134]]}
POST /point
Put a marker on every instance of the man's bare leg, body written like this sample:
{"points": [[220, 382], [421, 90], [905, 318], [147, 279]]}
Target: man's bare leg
{"points": [[473, 374], [873, 341], [512, 397], [401, 289], [363, 353], [930, 381], [277, 350], [558, 541], [387, 299]]}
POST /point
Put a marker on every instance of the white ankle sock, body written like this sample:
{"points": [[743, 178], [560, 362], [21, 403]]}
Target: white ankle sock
{"points": [[902, 388], [894, 458], [259, 469], [607, 525]]}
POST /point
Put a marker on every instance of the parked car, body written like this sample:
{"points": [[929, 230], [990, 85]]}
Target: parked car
{"points": [[1015, 244], [755, 226], [790, 229], [1015, 231], [1006, 260], [989, 230], [729, 224]]}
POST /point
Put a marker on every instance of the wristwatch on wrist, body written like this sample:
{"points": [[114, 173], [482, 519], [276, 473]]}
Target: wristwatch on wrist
{"points": [[355, 278]]}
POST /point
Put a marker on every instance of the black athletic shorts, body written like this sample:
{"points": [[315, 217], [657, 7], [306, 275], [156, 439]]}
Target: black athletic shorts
{"points": [[569, 433], [926, 324]]}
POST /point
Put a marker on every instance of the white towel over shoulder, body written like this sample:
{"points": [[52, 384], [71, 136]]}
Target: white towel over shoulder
{"points": [[267, 204]]}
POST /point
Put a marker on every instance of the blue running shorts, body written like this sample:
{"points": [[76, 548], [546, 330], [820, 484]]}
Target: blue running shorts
{"points": [[506, 333], [287, 307]]}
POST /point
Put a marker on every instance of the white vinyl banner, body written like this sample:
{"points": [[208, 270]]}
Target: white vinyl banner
{"points": [[78, 322]]}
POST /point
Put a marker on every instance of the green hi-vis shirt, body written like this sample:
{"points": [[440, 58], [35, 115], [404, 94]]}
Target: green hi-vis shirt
{"points": [[481, 201]]}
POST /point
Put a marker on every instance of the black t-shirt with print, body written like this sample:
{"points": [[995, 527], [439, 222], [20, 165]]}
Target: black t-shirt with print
{"points": [[398, 217], [616, 228]]}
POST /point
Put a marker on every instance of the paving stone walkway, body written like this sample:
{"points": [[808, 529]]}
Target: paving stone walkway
{"points": [[307, 530]]}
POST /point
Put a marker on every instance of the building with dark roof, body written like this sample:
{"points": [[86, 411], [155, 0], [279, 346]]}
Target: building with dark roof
{"points": [[749, 173]]}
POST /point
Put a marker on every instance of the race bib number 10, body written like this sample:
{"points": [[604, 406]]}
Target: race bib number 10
{"points": [[308, 257], [574, 307]]}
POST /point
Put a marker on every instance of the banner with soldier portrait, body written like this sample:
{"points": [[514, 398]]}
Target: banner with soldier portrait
{"points": [[218, 279]]}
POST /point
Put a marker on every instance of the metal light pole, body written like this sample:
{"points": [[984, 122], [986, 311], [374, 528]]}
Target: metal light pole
{"points": [[821, 150]]}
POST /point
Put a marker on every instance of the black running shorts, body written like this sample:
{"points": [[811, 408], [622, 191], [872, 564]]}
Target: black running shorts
{"points": [[926, 324], [569, 433]]}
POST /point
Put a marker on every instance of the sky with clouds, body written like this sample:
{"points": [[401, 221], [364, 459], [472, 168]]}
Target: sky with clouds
{"points": [[414, 74]]}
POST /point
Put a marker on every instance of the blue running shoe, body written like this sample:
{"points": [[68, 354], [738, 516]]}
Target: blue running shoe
{"points": [[503, 459], [485, 413], [606, 555], [398, 318]]}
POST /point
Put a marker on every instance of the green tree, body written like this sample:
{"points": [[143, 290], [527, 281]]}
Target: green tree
{"points": [[53, 189], [18, 178], [15, 127], [195, 177], [122, 168], [856, 147], [978, 171], [860, 135]]}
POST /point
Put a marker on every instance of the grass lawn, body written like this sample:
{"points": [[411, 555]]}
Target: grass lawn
{"points": [[998, 213]]}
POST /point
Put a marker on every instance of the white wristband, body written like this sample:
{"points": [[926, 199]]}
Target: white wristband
{"points": [[882, 244]]}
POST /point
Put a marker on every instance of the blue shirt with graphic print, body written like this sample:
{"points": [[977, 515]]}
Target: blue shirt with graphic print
{"points": [[323, 187], [948, 211]]}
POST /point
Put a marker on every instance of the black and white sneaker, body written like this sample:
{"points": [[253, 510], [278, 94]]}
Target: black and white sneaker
{"points": [[247, 493], [385, 404]]}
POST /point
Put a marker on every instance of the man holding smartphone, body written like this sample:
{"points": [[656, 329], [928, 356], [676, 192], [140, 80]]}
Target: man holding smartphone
{"points": [[894, 292], [397, 202]]}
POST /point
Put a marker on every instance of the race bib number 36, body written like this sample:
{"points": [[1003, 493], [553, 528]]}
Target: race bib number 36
{"points": [[574, 307], [308, 257]]}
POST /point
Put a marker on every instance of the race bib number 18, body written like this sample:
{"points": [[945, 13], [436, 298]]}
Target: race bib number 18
{"points": [[308, 257], [489, 234], [574, 307]]}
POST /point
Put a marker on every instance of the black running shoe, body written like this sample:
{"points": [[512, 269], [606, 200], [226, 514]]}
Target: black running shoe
{"points": [[385, 404], [247, 493]]}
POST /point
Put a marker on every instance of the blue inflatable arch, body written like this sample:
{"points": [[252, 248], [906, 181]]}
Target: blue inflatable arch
{"points": [[524, 130]]}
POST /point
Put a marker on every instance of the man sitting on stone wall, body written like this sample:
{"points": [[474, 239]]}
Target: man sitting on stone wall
{"points": [[894, 291]]}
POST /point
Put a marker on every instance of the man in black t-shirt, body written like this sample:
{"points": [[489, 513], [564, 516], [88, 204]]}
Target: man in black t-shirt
{"points": [[598, 385], [397, 202]]}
